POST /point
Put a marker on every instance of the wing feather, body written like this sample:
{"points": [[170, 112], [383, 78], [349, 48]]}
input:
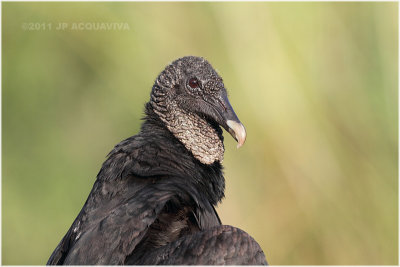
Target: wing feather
{"points": [[115, 227]]}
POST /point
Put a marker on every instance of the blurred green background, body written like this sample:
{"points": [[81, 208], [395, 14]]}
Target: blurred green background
{"points": [[314, 83]]}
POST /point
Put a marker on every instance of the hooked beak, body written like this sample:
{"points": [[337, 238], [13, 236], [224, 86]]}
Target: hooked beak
{"points": [[230, 121], [237, 130]]}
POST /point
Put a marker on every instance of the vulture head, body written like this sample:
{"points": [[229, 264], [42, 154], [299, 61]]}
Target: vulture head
{"points": [[190, 98]]}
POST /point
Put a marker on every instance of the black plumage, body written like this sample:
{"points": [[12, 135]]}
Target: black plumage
{"points": [[154, 197]]}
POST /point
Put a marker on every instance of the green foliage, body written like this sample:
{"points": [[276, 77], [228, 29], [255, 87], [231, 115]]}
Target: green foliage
{"points": [[314, 83]]}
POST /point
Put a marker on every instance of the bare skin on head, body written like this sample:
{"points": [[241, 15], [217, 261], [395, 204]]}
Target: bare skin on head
{"points": [[190, 98]]}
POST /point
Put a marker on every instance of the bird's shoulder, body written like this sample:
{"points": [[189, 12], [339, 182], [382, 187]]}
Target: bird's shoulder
{"points": [[152, 152], [140, 175]]}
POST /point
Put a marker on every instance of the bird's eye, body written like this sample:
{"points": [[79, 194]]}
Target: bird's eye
{"points": [[194, 83]]}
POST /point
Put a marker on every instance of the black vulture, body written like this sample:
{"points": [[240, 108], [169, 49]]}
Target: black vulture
{"points": [[154, 199]]}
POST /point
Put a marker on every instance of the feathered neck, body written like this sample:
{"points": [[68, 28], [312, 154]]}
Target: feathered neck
{"points": [[176, 160]]}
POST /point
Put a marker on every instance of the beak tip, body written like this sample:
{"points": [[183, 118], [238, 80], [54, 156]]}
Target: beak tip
{"points": [[238, 131], [241, 141]]}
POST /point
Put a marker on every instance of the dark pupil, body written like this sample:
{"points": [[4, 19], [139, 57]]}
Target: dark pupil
{"points": [[194, 83]]}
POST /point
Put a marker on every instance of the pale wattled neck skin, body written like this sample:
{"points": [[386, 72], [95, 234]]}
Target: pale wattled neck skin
{"points": [[190, 98], [198, 136]]}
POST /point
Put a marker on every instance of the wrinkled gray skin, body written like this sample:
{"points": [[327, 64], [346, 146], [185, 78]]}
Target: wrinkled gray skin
{"points": [[187, 111]]}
